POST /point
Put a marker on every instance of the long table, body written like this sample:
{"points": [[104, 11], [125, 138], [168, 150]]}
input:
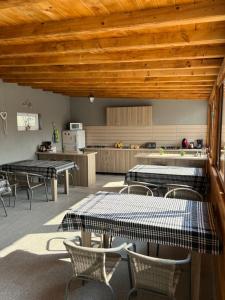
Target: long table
{"points": [[161, 175], [174, 222], [47, 168]]}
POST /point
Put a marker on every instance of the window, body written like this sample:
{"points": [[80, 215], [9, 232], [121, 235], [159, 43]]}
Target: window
{"points": [[221, 134], [27, 122]]}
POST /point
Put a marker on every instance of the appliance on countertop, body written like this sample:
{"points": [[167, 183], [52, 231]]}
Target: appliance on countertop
{"points": [[149, 145], [73, 140], [199, 144], [74, 126], [47, 147]]}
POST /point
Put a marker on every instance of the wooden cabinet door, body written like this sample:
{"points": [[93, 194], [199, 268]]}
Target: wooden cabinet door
{"points": [[129, 116]]}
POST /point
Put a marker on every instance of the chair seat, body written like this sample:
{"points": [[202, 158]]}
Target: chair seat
{"points": [[112, 261]]}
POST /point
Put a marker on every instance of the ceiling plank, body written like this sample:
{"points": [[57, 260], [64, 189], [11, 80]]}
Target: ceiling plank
{"points": [[187, 52], [15, 3], [124, 74], [202, 34], [145, 65], [200, 12], [176, 79]]}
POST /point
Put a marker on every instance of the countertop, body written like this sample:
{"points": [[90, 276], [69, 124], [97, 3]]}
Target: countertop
{"points": [[67, 153], [143, 149], [171, 156]]}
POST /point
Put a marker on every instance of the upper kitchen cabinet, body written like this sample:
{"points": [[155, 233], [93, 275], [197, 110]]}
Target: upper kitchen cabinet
{"points": [[129, 116]]}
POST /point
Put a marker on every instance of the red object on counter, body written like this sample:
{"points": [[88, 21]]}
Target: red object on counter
{"points": [[185, 144]]}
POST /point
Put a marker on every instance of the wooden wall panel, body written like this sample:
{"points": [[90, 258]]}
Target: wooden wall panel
{"points": [[217, 197], [162, 135]]}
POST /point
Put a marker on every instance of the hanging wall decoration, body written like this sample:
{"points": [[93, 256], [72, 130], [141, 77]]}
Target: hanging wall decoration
{"points": [[3, 119]]}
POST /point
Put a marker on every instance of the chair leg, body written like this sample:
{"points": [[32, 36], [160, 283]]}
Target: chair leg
{"points": [[31, 197], [3, 204], [130, 293]]}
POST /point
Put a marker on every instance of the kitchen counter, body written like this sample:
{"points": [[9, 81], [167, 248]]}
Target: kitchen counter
{"points": [[86, 176], [172, 159], [172, 156], [89, 148]]}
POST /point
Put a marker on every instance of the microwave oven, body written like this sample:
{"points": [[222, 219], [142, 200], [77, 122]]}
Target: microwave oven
{"points": [[74, 126]]}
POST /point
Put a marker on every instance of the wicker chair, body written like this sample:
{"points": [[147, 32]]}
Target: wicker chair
{"points": [[5, 190], [136, 189], [155, 188], [10, 176], [156, 275], [184, 193], [26, 180], [96, 264]]}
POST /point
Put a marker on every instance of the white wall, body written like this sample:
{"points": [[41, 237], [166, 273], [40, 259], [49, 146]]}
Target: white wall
{"points": [[52, 108]]}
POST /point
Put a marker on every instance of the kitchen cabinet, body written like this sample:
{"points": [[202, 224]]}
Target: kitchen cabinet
{"points": [[112, 160], [129, 116], [86, 175]]}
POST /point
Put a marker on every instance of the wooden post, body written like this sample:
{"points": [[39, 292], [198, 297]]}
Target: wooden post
{"points": [[54, 189], [86, 238], [66, 182]]}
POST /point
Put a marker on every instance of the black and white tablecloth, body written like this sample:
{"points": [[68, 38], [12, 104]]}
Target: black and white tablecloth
{"points": [[175, 222], [47, 168], [161, 175]]}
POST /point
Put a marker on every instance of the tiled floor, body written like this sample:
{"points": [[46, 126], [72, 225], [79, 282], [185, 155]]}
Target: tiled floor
{"points": [[35, 266]]}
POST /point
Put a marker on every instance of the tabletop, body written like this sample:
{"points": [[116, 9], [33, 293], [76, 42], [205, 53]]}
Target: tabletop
{"points": [[175, 222], [46, 168], [161, 175]]}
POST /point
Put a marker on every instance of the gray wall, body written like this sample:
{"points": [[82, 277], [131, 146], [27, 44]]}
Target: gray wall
{"points": [[52, 107], [165, 112]]}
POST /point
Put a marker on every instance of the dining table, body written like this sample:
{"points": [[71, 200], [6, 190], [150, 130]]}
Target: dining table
{"points": [[196, 178], [166, 221], [47, 168]]}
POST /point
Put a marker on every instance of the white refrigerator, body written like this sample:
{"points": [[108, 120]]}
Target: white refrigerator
{"points": [[73, 140]]}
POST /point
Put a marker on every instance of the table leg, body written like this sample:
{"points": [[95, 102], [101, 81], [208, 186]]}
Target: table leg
{"points": [[66, 182], [195, 275], [54, 189], [106, 241], [86, 238]]}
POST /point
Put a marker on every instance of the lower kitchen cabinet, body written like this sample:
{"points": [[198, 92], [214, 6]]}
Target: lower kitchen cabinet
{"points": [[115, 160], [112, 160]]}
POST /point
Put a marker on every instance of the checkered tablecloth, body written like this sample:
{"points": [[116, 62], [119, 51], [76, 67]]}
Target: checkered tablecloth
{"points": [[162, 175], [47, 168], [174, 222]]}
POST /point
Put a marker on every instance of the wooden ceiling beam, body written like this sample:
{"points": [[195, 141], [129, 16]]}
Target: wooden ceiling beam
{"points": [[125, 74], [110, 25], [202, 34], [140, 95], [174, 79], [169, 85], [15, 3], [187, 52], [119, 67], [123, 88]]}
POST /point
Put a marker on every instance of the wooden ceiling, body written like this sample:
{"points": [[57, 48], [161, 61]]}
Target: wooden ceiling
{"points": [[161, 49]]}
